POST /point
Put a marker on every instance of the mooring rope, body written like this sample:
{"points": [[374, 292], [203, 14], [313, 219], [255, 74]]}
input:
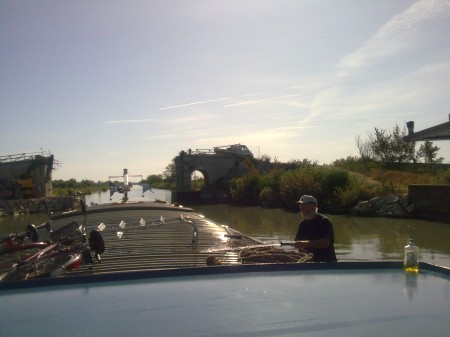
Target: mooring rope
{"points": [[273, 255]]}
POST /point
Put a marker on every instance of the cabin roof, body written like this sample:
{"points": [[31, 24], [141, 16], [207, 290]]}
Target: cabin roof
{"points": [[437, 132]]}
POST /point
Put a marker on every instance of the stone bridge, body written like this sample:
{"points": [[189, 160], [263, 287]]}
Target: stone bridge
{"points": [[217, 170]]}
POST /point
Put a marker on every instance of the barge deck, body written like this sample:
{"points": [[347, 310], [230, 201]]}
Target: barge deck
{"points": [[150, 235]]}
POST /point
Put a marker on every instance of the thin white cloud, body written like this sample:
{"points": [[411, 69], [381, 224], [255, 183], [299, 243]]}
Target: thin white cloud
{"points": [[129, 121], [256, 94], [159, 137], [397, 35], [298, 87], [222, 99], [300, 127], [195, 103], [417, 92], [190, 119], [241, 103], [184, 119], [278, 99]]}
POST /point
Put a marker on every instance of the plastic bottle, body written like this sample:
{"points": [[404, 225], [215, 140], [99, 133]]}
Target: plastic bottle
{"points": [[411, 257]]}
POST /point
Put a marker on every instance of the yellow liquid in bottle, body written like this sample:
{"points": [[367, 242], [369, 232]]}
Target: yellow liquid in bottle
{"points": [[412, 269], [411, 261]]}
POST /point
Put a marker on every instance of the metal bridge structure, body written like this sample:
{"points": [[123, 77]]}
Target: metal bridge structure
{"points": [[26, 175]]}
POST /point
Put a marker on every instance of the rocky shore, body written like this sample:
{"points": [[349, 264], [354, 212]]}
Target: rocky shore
{"points": [[397, 206]]}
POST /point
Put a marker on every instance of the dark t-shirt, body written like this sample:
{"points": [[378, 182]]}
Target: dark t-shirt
{"points": [[315, 229]]}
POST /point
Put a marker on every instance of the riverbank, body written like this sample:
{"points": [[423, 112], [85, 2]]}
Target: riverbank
{"points": [[431, 202], [36, 205], [422, 201]]}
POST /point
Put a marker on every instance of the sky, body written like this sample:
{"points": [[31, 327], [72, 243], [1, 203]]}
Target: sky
{"points": [[108, 85]]}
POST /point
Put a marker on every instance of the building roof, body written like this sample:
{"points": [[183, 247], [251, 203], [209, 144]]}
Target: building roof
{"points": [[437, 132]]}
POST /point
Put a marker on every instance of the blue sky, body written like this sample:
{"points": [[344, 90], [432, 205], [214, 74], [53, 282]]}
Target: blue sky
{"points": [[107, 85]]}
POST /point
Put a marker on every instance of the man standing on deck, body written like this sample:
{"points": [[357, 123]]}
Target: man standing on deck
{"points": [[315, 232]]}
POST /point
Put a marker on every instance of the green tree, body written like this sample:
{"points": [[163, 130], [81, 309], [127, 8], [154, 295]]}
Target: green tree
{"points": [[365, 148], [87, 183], [155, 179], [59, 183], [387, 147], [71, 183], [429, 152], [169, 172], [245, 190]]}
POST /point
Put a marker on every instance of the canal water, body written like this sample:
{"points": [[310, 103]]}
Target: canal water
{"points": [[356, 238]]}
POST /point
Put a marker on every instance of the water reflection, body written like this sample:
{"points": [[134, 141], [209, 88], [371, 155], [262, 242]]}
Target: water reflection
{"points": [[135, 194], [410, 287], [9, 224], [357, 238]]}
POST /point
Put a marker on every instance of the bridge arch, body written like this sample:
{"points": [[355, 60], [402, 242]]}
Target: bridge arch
{"points": [[217, 170], [205, 175]]}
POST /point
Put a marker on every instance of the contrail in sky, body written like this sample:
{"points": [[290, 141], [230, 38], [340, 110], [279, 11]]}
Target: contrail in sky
{"points": [[130, 121], [195, 103], [241, 103], [209, 101], [198, 103]]}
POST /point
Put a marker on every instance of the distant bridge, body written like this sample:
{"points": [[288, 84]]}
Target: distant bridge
{"points": [[217, 169]]}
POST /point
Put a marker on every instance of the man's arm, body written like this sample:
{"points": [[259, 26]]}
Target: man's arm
{"points": [[320, 243]]}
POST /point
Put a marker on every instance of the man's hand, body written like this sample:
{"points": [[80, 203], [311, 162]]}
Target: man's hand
{"points": [[301, 244], [321, 243]]}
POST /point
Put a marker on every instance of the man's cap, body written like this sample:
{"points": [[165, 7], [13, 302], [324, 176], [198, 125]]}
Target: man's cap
{"points": [[307, 199]]}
